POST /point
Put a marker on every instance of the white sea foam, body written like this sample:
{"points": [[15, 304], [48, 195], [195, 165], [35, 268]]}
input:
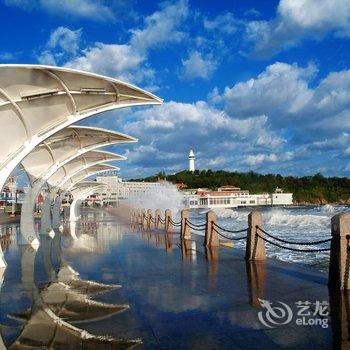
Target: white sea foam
{"points": [[307, 223], [168, 197]]}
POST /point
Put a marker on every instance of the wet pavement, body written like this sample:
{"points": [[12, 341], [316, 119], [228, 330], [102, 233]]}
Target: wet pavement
{"points": [[110, 280]]}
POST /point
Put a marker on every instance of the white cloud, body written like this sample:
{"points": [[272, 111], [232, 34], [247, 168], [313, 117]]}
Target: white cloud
{"points": [[296, 20], [169, 130], [7, 56], [280, 92], [314, 117], [225, 23], [47, 58], [94, 10], [161, 27], [257, 159], [109, 59], [198, 66], [65, 39], [129, 61]]}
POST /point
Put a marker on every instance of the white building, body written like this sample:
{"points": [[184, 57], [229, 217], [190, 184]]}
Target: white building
{"points": [[120, 190], [191, 160], [234, 197]]}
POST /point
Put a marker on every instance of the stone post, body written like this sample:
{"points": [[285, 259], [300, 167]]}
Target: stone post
{"points": [[168, 218], [143, 214], [340, 252], [211, 238], [255, 248], [157, 216], [185, 230], [149, 222], [138, 215]]}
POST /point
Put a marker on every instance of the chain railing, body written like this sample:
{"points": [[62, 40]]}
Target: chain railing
{"points": [[293, 242], [196, 227], [257, 238], [229, 238], [217, 227], [174, 222], [311, 250]]}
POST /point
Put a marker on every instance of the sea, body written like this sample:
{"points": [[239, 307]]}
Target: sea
{"points": [[293, 223]]}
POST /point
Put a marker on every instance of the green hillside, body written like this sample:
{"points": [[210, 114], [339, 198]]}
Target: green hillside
{"points": [[315, 189]]}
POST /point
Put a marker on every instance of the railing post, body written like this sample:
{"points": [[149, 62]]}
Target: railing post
{"points": [[339, 263], [139, 213], [149, 222], [255, 248], [157, 216], [185, 230], [168, 218], [211, 238], [143, 214]]}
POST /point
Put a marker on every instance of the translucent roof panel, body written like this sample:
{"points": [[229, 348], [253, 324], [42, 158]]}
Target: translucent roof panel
{"points": [[83, 174], [66, 144], [37, 101], [82, 162]]}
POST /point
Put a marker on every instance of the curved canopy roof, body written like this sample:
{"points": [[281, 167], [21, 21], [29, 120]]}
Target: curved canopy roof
{"points": [[87, 184], [85, 188], [37, 101], [71, 181], [65, 145], [80, 163]]}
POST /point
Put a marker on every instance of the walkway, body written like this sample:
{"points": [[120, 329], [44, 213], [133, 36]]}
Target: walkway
{"points": [[180, 299]]}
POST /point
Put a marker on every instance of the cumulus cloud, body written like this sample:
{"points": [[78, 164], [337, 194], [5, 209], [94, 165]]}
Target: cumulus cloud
{"points": [[283, 93], [198, 66], [94, 10], [167, 132], [296, 20], [109, 59], [161, 27], [257, 159], [66, 39], [7, 56], [313, 117], [225, 23], [129, 61], [280, 92], [47, 58]]}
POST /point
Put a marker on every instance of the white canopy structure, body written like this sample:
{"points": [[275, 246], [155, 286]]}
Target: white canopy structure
{"points": [[37, 101], [80, 191], [68, 183], [61, 148], [65, 145], [80, 163]]}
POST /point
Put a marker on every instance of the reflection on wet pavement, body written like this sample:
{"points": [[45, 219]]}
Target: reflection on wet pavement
{"points": [[101, 285]]}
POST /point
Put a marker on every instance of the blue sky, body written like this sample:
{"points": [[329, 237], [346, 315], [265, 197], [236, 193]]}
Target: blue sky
{"points": [[250, 85]]}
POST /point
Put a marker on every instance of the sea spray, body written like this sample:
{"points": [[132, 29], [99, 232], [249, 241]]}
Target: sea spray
{"points": [[304, 223], [166, 196]]}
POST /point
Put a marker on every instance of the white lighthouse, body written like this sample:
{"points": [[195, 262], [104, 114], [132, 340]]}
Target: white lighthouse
{"points": [[191, 159]]}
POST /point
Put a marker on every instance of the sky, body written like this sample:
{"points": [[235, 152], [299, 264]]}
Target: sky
{"points": [[258, 85]]}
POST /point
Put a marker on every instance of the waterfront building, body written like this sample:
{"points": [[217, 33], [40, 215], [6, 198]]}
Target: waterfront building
{"points": [[121, 190], [234, 197]]}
